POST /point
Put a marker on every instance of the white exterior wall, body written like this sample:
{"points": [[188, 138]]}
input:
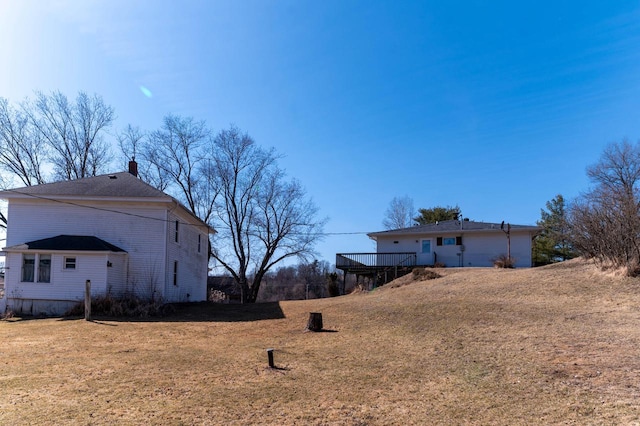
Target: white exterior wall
{"points": [[143, 232], [141, 238], [117, 273], [64, 289], [479, 248], [192, 265]]}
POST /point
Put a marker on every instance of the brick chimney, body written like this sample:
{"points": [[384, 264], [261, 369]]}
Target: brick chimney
{"points": [[133, 167]]}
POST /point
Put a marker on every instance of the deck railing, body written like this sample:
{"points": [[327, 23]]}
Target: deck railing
{"points": [[374, 260]]}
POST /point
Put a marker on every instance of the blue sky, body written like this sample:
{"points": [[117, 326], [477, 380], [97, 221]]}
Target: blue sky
{"points": [[494, 106]]}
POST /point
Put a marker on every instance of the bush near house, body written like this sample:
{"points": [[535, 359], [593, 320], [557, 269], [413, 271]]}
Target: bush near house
{"points": [[503, 261]]}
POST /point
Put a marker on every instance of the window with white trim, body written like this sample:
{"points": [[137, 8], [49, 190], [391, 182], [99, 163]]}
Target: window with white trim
{"points": [[44, 268], [36, 268], [28, 267], [69, 263]]}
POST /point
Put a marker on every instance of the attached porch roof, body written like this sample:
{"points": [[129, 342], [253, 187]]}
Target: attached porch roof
{"points": [[68, 243]]}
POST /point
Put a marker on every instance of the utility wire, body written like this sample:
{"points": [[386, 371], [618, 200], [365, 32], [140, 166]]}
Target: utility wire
{"points": [[149, 217]]}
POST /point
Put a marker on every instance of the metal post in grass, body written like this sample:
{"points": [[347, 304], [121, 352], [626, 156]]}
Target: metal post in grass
{"points": [[87, 301], [270, 357]]}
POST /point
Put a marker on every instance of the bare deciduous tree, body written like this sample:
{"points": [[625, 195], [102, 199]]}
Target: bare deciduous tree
{"points": [[605, 222], [173, 157], [399, 214], [73, 131], [261, 218], [21, 146]]}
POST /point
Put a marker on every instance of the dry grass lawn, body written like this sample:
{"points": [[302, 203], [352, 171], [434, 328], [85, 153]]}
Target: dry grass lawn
{"points": [[553, 345]]}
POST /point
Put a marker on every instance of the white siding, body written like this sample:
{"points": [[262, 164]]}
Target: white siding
{"points": [[191, 285], [137, 228], [480, 248], [65, 285], [144, 230], [117, 273]]}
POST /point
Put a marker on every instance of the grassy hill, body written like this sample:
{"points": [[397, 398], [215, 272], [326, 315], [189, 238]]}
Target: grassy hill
{"points": [[552, 345]]}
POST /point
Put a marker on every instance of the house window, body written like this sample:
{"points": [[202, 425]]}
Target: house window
{"points": [[426, 246], [176, 234], [69, 263], [44, 268], [28, 267], [449, 241], [175, 273], [199, 242]]}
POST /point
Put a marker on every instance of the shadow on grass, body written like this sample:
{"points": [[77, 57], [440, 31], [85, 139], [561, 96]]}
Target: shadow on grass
{"points": [[187, 312], [217, 312], [199, 312]]}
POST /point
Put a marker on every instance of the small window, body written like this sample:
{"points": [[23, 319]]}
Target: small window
{"points": [[44, 268], [69, 263], [449, 241], [28, 267], [176, 234], [439, 241], [175, 273]]}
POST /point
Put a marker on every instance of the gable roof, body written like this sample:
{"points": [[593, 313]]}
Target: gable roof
{"points": [[452, 226], [122, 184], [68, 243]]}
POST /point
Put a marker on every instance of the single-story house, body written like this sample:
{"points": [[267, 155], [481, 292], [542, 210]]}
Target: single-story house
{"points": [[115, 230], [456, 243], [450, 243]]}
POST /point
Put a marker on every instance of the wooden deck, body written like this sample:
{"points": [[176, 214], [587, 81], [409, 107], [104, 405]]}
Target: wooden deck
{"points": [[379, 267]]}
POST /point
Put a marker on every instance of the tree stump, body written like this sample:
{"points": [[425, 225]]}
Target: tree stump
{"points": [[315, 321]]}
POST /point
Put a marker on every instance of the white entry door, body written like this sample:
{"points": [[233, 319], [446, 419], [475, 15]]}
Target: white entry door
{"points": [[425, 254]]}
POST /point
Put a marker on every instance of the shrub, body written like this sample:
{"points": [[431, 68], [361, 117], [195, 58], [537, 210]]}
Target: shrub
{"points": [[425, 274], [503, 261], [439, 265], [218, 296], [332, 284], [127, 306]]}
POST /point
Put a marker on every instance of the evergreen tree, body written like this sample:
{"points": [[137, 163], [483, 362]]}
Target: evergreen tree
{"points": [[553, 244], [437, 214]]}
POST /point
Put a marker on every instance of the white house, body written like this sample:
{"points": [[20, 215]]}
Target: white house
{"points": [[460, 243], [115, 230]]}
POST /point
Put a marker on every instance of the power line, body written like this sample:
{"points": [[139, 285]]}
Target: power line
{"points": [[323, 234], [101, 208]]}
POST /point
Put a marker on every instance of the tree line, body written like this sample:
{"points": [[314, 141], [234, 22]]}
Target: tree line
{"points": [[261, 216]]}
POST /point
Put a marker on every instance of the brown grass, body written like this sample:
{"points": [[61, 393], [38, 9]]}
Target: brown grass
{"points": [[552, 345]]}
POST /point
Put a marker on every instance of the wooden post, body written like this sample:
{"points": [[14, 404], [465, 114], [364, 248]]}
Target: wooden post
{"points": [[270, 357], [315, 321], [87, 301]]}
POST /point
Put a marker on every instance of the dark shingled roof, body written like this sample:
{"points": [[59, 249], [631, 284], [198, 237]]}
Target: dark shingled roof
{"points": [[122, 184], [452, 226], [69, 243]]}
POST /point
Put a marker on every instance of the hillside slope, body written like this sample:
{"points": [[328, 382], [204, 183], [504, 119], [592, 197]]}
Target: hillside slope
{"points": [[552, 345]]}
